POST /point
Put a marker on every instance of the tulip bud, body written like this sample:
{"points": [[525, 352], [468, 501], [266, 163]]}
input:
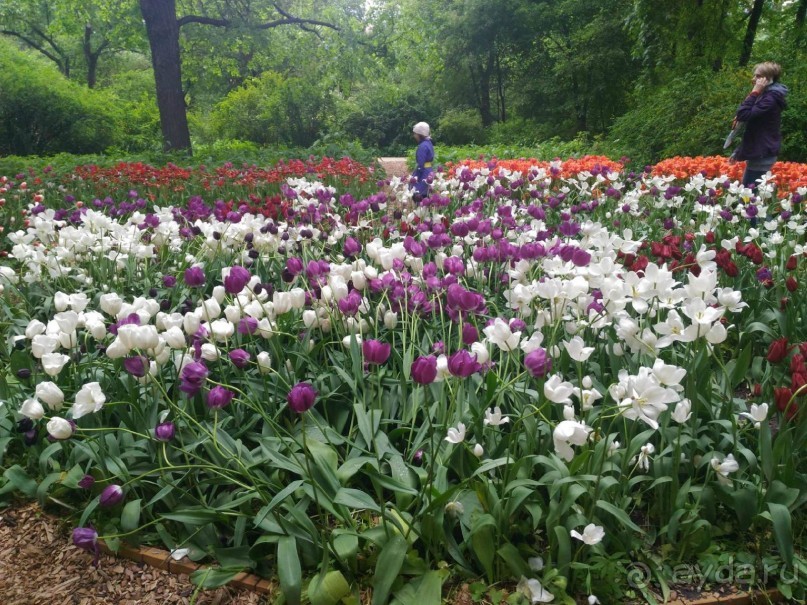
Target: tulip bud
{"points": [[301, 397], [165, 431], [86, 482], [112, 495]]}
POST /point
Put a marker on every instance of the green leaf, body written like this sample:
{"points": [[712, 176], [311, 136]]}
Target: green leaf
{"points": [[354, 498], [743, 362], [619, 514], [510, 555], [766, 450], [782, 530], [328, 590], [564, 548], [130, 515], [482, 539], [192, 517], [289, 570], [44, 486], [72, 477], [387, 568], [209, 577], [17, 477], [745, 505]]}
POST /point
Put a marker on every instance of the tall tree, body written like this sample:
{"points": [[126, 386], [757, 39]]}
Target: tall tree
{"points": [[72, 33], [751, 32], [162, 28]]}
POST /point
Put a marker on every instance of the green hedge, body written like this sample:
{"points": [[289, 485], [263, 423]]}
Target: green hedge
{"points": [[41, 112]]}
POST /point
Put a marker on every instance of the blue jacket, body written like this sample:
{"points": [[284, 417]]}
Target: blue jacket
{"points": [[424, 157], [763, 117]]}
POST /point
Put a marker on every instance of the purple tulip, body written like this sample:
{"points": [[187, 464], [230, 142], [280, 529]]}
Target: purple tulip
{"points": [[194, 277], [538, 363], [462, 364], [375, 351], [236, 280], [248, 325], [424, 369], [169, 281], [86, 482], [301, 398], [240, 358], [112, 495], [192, 378], [219, 397], [165, 431], [86, 538], [137, 365], [352, 247], [469, 334], [294, 265]]}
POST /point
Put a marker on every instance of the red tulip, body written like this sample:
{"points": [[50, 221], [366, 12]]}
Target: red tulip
{"points": [[778, 350]]}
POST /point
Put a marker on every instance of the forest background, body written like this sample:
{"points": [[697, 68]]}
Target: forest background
{"points": [[645, 79]]}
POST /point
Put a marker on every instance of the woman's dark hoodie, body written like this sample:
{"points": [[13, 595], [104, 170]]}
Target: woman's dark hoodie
{"points": [[762, 115]]}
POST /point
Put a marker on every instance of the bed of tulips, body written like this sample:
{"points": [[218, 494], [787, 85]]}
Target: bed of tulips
{"points": [[564, 377]]}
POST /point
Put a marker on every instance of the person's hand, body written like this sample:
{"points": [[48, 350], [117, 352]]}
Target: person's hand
{"points": [[760, 84]]}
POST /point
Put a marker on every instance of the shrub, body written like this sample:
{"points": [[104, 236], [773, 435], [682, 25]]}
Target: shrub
{"points": [[460, 127], [41, 112], [271, 109], [382, 117], [692, 115]]}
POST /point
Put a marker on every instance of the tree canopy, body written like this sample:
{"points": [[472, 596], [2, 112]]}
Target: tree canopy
{"points": [[293, 71]]}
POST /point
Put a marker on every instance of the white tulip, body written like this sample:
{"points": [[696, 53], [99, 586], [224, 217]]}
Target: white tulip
{"points": [[52, 363], [89, 399], [51, 394], [456, 435], [42, 344], [59, 428], [592, 534], [31, 408]]}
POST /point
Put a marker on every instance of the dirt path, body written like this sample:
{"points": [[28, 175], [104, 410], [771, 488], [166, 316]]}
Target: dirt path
{"points": [[394, 166], [39, 565]]}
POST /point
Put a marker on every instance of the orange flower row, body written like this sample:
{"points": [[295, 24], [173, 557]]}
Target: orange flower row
{"points": [[788, 176]]}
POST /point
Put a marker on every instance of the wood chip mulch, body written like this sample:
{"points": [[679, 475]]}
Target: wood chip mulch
{"points": [[39, 565]]}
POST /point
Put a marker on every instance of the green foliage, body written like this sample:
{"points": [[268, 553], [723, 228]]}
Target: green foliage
{"points": [[692, 114], [271, 109], [382, 117], [140, 130], [460, 127], [43, 113], [689, 116]]}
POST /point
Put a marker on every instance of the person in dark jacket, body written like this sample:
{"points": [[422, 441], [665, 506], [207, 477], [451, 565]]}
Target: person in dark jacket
{"points": [[424, 158], [761, 111]]}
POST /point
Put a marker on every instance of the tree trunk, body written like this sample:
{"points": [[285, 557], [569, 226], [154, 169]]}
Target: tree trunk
{"points": [[90, 57], [801, 13], [162, 29], [751, 32], [484, 90]]}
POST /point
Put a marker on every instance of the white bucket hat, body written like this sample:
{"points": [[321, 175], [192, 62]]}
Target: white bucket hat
{"points": [[422, 129]]}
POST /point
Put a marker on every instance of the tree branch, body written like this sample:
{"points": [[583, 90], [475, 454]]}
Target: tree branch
{"points": [[33, 44], [286, 20]]}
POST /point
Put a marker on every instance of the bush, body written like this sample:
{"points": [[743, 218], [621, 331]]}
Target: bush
{"points": [[517, 131], [140, 131], [43, 113], [270, 110], [382, 118], [692, 115], [460, 127]]}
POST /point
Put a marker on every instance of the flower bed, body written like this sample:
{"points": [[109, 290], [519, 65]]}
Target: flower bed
{"points": [[550, 374]]}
